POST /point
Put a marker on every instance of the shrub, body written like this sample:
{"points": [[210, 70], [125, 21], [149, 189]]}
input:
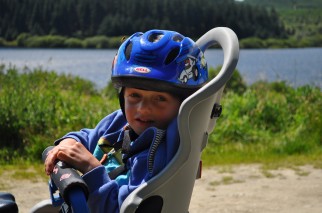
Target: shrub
{"points": [[3, 42], [22, 39], [115, 42], [251, 43], [283, 120], [313, 41], [276, 43], [38, 107], [73, 43], [96, 42], [51, 41], [235, 84]]}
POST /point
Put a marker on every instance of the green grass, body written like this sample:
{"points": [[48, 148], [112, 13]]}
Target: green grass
{"points": [[268, 123], [234, 154], [33, 172]]}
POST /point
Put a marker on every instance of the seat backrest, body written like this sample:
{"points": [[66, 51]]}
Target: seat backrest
{"points": [[171, 190]]}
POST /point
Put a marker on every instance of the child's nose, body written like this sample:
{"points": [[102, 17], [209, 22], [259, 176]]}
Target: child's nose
{"points": [[145, 106]]}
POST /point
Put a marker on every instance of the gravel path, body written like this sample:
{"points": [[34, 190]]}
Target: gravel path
{"points": [[231, 189]]}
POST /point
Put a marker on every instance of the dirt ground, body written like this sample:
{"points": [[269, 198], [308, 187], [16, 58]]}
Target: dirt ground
{"points": [[231, 189]]}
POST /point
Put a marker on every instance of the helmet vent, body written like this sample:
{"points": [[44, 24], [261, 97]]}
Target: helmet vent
{"points": [[128, 51], [177, 38], [144, 58], [155, 37], [172, 55]]}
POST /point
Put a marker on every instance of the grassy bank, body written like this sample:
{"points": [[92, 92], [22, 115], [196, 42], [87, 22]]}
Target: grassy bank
{"points": [[265, 122], [291, 42], [102, 42], [57, 41], [269, 122]]}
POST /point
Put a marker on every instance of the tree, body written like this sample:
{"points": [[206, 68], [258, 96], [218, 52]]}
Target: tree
{"points": [[86, 18]]}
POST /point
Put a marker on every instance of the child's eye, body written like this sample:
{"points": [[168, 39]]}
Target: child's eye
{"points": [[160, 98], [134, 95]]}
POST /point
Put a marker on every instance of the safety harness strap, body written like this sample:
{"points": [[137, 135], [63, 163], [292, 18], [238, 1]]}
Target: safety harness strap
{"points": [[118, 171], [124, 145], [153, 141]]}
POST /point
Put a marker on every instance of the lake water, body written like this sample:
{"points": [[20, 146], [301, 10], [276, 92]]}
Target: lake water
{"points": [[296, 66]]}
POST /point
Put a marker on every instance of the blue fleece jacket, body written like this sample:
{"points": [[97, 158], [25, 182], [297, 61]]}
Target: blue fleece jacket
{"points": [[107, 195]]}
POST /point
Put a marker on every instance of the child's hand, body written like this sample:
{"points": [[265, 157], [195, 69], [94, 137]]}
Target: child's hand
{"points": [[72, 153]]}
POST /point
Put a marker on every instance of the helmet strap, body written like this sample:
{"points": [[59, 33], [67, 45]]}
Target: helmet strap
{"points": [[121, 100]]}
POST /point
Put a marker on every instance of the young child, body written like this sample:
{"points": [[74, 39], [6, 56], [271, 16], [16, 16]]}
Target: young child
{"points": [[153, 72]]}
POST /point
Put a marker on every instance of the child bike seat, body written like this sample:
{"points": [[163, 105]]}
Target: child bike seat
{"points": [[171, 190]]}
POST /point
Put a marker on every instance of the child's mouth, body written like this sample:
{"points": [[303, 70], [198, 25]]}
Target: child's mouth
{"points": [[145, 122]]}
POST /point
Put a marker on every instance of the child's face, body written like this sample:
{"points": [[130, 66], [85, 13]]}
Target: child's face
{"points": [[145, 108]]}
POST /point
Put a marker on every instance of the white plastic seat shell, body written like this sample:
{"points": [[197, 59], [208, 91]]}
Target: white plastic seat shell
{"points": [[174, 184]]}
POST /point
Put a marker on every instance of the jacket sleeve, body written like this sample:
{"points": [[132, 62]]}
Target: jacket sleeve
{"points": [[103, 191], [105, 194]]}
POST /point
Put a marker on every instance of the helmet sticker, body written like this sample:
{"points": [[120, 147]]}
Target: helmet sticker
{"points": [[203, 61], [142, 69], [190, 70]]}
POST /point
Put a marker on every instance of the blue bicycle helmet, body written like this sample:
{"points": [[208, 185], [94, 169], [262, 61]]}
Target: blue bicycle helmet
{"points": [[160, 60]]}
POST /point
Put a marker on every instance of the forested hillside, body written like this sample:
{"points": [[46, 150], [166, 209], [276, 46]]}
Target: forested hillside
{"points": [[301, 18], [287, 4], [86, 18]]}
